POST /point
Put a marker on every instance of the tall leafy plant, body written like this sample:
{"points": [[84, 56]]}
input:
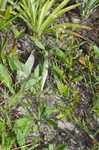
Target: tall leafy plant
{"points": [[39, 14]]}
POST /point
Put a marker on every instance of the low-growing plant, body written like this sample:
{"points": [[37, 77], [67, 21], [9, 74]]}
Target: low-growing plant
{"points": [[63, 64], [19, 128]]}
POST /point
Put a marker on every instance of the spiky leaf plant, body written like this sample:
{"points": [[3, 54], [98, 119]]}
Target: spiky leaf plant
{"points": [[39, 15]]}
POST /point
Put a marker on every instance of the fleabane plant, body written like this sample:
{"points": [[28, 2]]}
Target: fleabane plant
{"points": [[39, 14]]}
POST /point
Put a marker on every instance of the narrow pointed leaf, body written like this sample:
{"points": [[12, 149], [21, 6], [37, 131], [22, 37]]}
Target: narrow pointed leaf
{"points": [[73, 33], [42, 15], [61, 12], [68, 25], [61, 147], [29, 64], [44, 12], [64, 3], [51, 122], [6, 78], [44, 72], [37, 71]]}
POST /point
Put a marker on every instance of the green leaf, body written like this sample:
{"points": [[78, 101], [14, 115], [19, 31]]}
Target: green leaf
{"points": [[51, 147], [35, 138], [48, 111], [9, 21], [25, 69], [60, 116], [53, 16], [44, 71], [2, 124], [11, 64], [51, 122], [30, 83], [33, 147], [3, 43], [63, 89], [21, 122], [60, 53], [61, 12], [35, 128], [18, 34], [66, 91], [57, 13], [60, 6], [61, 147], [97, 78], [7, 13], [3, 57], [73, 33], [38, 43], [40, 109], [15, 96], [6, 78], [42, 15], [3, 4], [68, 25], [79, 78], [59, 71], [29, 64], [15, 64], [96, 49], [20, 137], [37, 71]]}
